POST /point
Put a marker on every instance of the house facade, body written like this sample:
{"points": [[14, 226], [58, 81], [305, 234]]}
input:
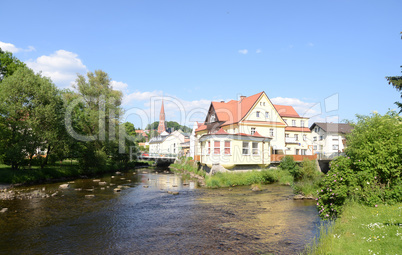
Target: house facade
{"points": [[251, 132], [168, 144], [329, 138]]}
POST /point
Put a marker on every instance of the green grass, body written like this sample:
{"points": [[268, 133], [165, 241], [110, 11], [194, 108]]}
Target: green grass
{"points": [[248, 178], [307, 186], [188, 167], [64, 170], [363, 230]]}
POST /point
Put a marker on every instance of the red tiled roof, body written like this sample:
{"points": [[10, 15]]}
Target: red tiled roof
{"points": [[233, 111], [298, 129], [286, 111], [201, 127], [221, 132], [256, 134]]}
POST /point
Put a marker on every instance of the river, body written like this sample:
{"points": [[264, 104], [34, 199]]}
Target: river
{"points": [[144, 219]]}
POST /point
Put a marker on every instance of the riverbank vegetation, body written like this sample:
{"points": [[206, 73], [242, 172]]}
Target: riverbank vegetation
{"points": [[362, 229], [370, 173], [41, 125]]}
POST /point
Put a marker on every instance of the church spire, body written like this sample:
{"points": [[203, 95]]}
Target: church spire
{"points": [[162, 126]]}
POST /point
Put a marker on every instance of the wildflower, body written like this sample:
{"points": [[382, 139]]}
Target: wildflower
{"points": [[334, 180], [318, 203], [375, 177], [321, 190], [375, 205], [326, 215], [341, 178], [368, 183]]}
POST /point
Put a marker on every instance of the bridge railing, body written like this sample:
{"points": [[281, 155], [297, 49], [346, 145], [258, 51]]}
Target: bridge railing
{"points": [[161, 155]]}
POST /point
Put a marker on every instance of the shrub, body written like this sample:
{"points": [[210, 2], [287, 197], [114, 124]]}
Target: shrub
{"points": [[334, 187], [288, 164]]}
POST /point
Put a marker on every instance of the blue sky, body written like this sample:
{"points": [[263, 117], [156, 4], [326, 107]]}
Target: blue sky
{"points": [[330, 56]]}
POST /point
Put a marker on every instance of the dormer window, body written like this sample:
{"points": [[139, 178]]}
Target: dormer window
{"points": [[267, 115], [258, 114], [212, 119]]}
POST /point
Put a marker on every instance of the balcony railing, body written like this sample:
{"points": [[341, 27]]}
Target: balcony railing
{"points": [[291, 140], [278, 157]]}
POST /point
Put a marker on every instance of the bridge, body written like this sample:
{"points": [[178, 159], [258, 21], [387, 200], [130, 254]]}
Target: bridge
{"points": [[159, 158]]}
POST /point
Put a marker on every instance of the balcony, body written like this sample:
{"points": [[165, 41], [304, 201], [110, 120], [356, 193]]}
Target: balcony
{"points": [[299, 158], [291, 140]]}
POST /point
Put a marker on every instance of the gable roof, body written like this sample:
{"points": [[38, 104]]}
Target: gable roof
{"points": [[333, 127], [233, 111], [286, 111]]}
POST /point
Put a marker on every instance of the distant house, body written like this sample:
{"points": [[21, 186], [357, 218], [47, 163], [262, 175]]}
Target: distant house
{"points": [[251, 132], [142, 133], [169, 144], [329, 138]]}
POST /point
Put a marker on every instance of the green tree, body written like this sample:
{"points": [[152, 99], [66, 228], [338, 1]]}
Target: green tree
{"points": [[30, 116], [130, 129], [396, 82], [93, 120], [372, 169], [8, 64]]}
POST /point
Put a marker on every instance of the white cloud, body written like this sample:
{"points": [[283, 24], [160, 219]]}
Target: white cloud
{"points": [[118, 85], [140, 96], [258, 51], [62, 67], [302, 108], [13, 49], [245, 51]]}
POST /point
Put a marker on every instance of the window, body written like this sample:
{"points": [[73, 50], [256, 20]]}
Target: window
{"points": [[302, 123], [217, 147], [255, 149], [315, 147], [245, 148], [252, 131], [296, 137], [316, 130], [321, 137], [267, 115], [294, 123], [321, 147], [304, 137], [303, 152], [271, 132], [335, 139], [315, 138], [297, 151], [258, 114], [174, 148], [212, 118], [286, 135], [209, 147], [227, 147], [335, 147]]}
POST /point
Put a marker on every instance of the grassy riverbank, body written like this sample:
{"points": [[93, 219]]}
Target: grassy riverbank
{"points": [[363, 230], [68, 169]]}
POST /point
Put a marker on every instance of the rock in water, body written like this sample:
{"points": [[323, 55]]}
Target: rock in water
{"points": [[64, 186]]}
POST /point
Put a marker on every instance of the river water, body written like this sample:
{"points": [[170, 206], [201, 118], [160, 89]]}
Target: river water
{"points": [[144, 219]]}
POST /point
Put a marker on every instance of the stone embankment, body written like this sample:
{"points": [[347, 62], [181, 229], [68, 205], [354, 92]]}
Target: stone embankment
{"points": [[198, 178]]}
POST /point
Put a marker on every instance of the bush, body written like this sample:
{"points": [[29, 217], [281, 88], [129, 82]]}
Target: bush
{"points": [[335, 187], [288, 164]]}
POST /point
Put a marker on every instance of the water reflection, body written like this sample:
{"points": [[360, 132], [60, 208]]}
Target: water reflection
{"points": [[144, 219]]}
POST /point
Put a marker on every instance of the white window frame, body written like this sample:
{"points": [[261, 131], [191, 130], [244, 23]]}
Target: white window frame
{"points": [[293, 123], [255, 151], [246, 150], [271, 132], [253, 130]]}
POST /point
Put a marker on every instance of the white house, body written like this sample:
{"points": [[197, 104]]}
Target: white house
{"points": [[251, 132], [329, 138], [167, 144]]}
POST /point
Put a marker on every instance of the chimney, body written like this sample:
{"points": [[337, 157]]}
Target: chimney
{"points": [[242, 97], [222, 101]]}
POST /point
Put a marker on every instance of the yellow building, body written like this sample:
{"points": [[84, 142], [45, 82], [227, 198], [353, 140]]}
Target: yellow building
{"points": [[251, 132]]}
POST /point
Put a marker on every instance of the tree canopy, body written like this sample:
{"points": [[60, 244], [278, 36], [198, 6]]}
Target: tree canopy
{"points": [[8, 64], [30, 115]]}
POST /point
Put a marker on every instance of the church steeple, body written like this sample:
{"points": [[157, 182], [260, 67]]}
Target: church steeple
{"points": [[162, 126]]}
